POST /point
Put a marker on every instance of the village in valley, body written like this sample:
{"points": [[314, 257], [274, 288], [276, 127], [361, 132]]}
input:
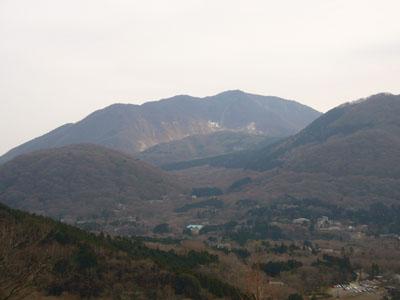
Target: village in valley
{"points": [[280, 247]]}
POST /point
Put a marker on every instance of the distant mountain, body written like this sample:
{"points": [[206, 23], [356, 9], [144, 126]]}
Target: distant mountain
{"points": [[361, 137], [201, 146], [81, 181], [134, 128], [351, 152], [44, 259]]}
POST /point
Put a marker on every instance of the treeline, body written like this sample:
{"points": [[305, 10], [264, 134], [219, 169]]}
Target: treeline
{"points": [[255, 230], [290, 208], [162, 228], [206, 191], [227, 227], [238, 184], [241, 253], [340, 268], [282, 248], [381, 218], [243, 232], [274, 268]]}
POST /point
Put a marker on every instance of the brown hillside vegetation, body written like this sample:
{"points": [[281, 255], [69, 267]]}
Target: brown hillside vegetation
{"points": [[81, 180], [349, 155], [361, 138]]}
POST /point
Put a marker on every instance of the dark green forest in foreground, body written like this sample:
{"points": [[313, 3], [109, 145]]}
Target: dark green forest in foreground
{"points": [[41, 255]]}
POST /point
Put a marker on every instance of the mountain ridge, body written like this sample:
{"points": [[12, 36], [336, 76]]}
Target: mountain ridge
{"points": [[132, 128], [341, 121], [352, 132]]}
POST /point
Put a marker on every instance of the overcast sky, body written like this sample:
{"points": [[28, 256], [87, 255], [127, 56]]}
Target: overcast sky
{"points": [[62, 59]]}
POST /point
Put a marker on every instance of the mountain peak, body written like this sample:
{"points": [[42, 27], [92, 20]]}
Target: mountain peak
{"points": [[233, 93]]}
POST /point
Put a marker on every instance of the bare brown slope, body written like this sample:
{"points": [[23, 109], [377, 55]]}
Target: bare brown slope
{"points": [[201, 146], [81, 180]]}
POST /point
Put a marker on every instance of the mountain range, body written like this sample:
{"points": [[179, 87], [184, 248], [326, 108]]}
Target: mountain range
{"points": [[349, 156], [134, 128]]}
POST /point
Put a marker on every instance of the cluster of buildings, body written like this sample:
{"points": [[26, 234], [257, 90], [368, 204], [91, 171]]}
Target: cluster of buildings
{"points": [[323, 224], [194, 228]]}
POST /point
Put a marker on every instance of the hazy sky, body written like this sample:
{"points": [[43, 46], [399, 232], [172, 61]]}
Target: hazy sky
{"points": [[62, 59]]}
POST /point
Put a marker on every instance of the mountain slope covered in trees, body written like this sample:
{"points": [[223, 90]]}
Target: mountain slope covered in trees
{"points": [[42, 258], [360, 138], [81, 180]]}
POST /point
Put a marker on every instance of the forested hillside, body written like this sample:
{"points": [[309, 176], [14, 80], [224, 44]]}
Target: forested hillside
{"points": [[82, 181], [41, 258]]}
